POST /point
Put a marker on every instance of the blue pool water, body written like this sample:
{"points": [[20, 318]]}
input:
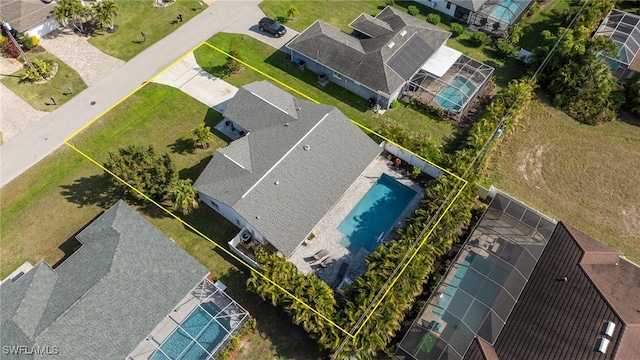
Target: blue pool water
{"points": [[200, 326], [375, 214], [454, 95], [508, 10]]}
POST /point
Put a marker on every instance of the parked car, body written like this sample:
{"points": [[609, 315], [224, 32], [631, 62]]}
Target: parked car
{"points": [[272, 26]]}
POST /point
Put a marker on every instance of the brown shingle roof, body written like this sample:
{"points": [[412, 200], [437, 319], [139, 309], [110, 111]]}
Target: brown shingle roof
{"points": [[25, 14]]}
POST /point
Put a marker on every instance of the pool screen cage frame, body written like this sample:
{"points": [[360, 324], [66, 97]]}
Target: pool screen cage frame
{"points": [[622, 24], [425, 87], [207, 291], [483, 20]]}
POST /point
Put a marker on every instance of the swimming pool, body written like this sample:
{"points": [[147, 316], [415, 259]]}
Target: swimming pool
{"points": [[508, 10], [454, 95], [375, 214], [199, 325]]}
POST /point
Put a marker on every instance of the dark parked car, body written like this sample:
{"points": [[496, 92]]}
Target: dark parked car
{"points": [[272, 26]]}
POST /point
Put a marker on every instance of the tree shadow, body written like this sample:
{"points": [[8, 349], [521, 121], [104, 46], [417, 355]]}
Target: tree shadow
{"points": [[182, 146], [194, 171], [93, 190], [629, 118]]}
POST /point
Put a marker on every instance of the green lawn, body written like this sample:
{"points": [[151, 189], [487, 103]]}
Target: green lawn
{"points": [[39, 95], [135, 16], [273, 62], [550, 17], [584, 175], [41, 210]]}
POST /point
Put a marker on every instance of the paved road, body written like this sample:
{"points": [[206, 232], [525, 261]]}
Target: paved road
{"points": [[32, 145]]}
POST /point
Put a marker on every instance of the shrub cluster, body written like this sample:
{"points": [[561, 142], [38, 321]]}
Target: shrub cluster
{"points": [[433, 18], [413, 10], [457, 29], [480, 39]]}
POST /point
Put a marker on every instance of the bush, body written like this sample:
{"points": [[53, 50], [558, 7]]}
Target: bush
{"points": [[413, 10], [395, 103], [232, 65], [11, 49], [479, 38], [433, 18], [504, 48], [28, 42], [43, 70], [248, 327], [390, 2], [457, 29]]}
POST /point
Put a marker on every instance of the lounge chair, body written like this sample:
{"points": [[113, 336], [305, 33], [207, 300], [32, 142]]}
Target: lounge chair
{"points": [[320, 254], [343, 269], [319, 261], [326, 261]]}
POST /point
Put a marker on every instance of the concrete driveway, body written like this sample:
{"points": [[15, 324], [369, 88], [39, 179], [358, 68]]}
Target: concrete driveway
{"points": [[248, 25]]}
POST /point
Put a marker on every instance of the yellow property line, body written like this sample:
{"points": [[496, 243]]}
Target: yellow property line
{"points": [[256, 271]]}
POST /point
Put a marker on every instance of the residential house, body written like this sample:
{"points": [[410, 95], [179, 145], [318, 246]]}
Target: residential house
{"points": [[491, 16], [125, 291], [33, 17], [391, 55], [623, 29], [293, 162], [524, 287]]}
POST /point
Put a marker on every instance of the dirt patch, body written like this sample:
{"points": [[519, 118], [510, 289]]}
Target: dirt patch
{"points": [[630, 224], [530, 163]]}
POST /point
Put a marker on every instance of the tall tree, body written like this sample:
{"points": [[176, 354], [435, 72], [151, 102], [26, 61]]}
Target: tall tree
{"points": [[183, 196], [105, 12], [142, 168]]}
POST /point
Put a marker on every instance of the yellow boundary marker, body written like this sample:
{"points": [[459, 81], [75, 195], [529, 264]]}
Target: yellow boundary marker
{"points": [[251, 268]]}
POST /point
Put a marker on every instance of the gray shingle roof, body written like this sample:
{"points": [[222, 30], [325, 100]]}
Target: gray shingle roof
{"points": [[24, 14], [365, 60], [104, 299], [309, 182]]}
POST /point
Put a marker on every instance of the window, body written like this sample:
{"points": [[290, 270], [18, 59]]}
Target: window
{"points": [[337, 75], [448, 5], [214, 205]]}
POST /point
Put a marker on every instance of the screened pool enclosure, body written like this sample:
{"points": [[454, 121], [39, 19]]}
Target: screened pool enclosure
{"points": [[624, 29], [495, 16]]}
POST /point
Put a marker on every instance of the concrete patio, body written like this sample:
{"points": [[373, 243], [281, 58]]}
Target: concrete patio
{"points": [[328, 237]]}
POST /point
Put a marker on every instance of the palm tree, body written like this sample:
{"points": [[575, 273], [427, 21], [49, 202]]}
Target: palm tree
{"points": [[202, 135], [183, 195], [71, 11], [105, 11]]}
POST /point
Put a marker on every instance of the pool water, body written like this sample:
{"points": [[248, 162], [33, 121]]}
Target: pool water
{"points": [[508, 10], [198, 325], [375, 214], [454, 95]]}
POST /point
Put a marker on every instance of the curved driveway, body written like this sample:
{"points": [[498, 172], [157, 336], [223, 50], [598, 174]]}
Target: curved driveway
{"points": [[32, 145]]}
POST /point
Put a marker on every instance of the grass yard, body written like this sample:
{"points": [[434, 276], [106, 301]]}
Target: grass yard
{"points": [[273, 62], [550, 17], [39, 95], [44, 208], [135, 16], [584, 175]]}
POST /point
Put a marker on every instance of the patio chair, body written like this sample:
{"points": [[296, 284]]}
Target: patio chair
{"points": [[320, 254], [319, 261], [327, 261]]}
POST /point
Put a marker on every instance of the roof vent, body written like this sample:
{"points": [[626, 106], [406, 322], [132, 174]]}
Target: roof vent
{"points": [[390, 45], [276, 183], [306, 147], [609, 329], [287, 124], [403, 33], [602, 347]]}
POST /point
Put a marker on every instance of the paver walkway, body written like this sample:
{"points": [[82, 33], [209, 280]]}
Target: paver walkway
{"points": [[189, 77], [15, 114], [91, 63]]}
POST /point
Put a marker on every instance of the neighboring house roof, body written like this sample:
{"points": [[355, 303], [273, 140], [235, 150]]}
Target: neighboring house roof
{"points": [[22, 15], [557, 319], [474, 5], [106, 297], [269, 178], [398, 45]]}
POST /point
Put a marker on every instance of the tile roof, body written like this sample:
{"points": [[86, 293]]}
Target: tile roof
{"points": [[365, 60], [105, 298], [269, 178], [24, 14], [556, 319]]}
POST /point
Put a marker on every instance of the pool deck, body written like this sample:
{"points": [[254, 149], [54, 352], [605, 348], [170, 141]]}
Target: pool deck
{"points": [[329, 238]]}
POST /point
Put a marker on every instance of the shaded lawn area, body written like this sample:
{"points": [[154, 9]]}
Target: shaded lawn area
{"points": [[135, 16], [341, 14], [38, 95], [584, 175], [550, 17], [43, 209], [273, 62]]}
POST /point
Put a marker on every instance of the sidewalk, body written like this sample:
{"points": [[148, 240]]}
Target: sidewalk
{"points": [[42, 138]]}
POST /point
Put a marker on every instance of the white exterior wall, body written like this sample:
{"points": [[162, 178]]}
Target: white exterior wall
{"points": [[230, 214], [43, 28], [439, 5], [413, 160]]}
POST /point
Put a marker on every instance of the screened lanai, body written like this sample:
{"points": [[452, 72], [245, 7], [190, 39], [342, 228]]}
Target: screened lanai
{"points": [[495, 16], [624, 29], [449, 81], [478, 292], [199, 327]]}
